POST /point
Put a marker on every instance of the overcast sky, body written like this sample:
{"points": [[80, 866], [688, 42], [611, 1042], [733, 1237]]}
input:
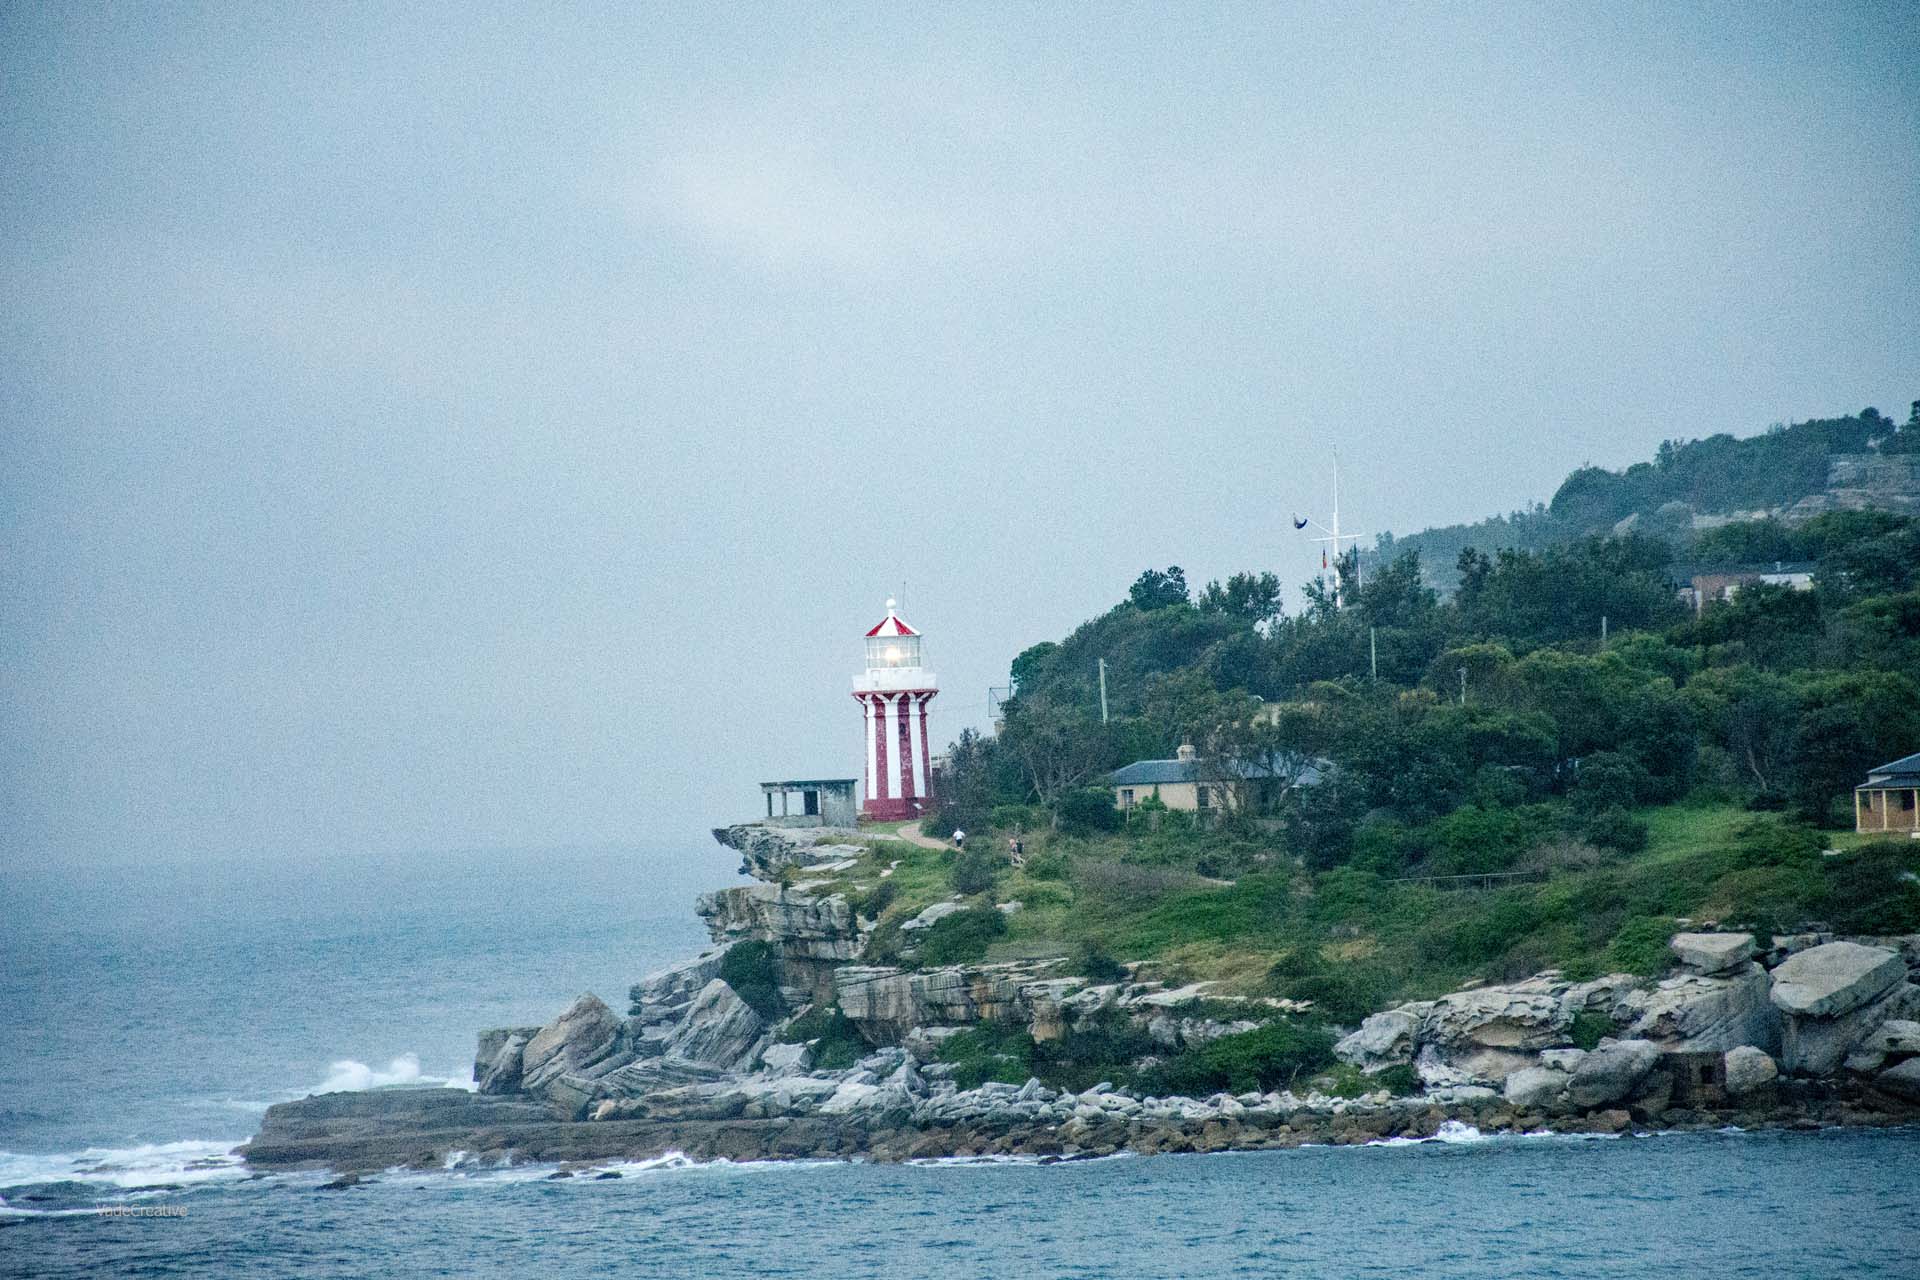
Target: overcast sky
{"points": [[439, 428]]}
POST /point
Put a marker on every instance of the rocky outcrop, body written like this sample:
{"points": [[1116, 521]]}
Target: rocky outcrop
{"points": [[1713, 952], [1699, 1012], [1837, 978], [1383, 1040], [766, 851], [801, 925], [498, 1058], [1903, 1081], [587, 1035], [1834, 996], [885, 1003], [1523, 1016], [720, 1029]]}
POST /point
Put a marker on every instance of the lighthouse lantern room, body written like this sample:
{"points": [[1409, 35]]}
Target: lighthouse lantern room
{"points": [[893, 693]]}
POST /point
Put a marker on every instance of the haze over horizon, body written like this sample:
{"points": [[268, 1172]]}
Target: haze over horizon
{"points": [[432, 430]]}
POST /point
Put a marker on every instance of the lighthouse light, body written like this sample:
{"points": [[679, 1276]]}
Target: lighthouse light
{"points": [[893, 655]]}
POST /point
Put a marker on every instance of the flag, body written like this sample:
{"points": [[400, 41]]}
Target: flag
{"points": [[1323, 558], [1299, 522]]}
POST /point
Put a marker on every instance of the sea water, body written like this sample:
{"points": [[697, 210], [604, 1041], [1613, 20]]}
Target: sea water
{"points": [[152, 1014]]}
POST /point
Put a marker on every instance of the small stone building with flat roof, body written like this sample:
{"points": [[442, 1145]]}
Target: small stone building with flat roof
{"points": [[1889, 800], [812, 802]]}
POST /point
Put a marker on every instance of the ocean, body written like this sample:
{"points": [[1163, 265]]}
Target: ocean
{"points": [[153, 1013]]}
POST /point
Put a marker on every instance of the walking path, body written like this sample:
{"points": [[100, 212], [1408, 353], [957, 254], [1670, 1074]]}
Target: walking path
{"points": [[911, 834]]}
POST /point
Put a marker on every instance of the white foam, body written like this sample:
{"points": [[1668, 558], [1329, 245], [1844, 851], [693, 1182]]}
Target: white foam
{"points": [[345, 1075], [126, 1168]]}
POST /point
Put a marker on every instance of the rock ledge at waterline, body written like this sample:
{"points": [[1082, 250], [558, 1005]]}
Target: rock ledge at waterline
{"points": [[1813, 1031]]}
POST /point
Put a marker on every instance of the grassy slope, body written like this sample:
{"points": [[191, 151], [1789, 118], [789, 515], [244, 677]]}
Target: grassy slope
{"points": [[1354, 941]]}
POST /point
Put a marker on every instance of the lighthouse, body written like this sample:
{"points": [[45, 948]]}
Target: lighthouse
{"points": [[893, 693]]}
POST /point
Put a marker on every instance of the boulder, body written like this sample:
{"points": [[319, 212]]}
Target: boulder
{"points": [[498, 1059], [932, 915], [719, 1029], [1815, 1046], [765, 851], [1902, 1081], [1536, 1088], [1692, 1012], [1895, 1037], [1748, 1069], [1611, 1072], [1566, 1060], [1383, 1040], [1834, 978], [787, 1059], [1713, 952], [587, 1034]]}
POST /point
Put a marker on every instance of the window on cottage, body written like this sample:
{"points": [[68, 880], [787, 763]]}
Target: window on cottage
{"points": [[1202, 798], [1126, 797]]}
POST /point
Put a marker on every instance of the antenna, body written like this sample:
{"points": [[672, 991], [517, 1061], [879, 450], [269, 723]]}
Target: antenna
{"points": [[1335, 537]]}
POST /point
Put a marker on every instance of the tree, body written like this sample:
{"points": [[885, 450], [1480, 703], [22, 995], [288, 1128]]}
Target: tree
{"points": [[1157, 590], [1251, 598], [1058, 748]]}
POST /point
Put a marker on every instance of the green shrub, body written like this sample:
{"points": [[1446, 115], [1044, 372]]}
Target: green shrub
{"points": [[988, 1053], [1873, 889], [1341, 992], [972, 870], [876, 900], [1091, 961], [962, 937], [1616, 829], [837, 1043], [1269, 1057], [1103, 1047], [1400, 1079], [1052, 865], [1088, 810], [1589, 1028], [1640, 946], [752, 969]]}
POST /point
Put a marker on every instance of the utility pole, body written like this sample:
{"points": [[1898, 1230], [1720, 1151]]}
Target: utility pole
{"points": [[1603, 631], [1373, 652], [1463, 686], [1103, 690]]}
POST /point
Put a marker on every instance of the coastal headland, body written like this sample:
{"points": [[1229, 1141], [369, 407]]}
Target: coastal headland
{"points": [[795, 1036]]}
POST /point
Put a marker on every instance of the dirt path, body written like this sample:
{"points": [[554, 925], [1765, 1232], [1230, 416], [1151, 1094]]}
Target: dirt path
{"points": [[911, 834]]}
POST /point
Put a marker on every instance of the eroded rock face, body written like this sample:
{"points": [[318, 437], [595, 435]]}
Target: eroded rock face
{"points": [[1524, 1016], [498, 1058], [1697, 1011], [665, 994], [1902, 1081], [1611, 1072], [886, 1003], [764, 851], [1382, 1040], [585, 1036], [802, 926], [720, 1029], [1713, 952], [1835, 978]]}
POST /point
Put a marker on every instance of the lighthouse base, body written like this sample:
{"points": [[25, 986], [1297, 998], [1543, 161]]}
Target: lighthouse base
{"points": [[893, 809]]}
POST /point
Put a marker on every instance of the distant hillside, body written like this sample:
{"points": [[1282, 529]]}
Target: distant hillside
{"points": [[1789, 473]]}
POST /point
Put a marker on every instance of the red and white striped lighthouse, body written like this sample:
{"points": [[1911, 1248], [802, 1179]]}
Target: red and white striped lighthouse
{"points": [[893, 693]]}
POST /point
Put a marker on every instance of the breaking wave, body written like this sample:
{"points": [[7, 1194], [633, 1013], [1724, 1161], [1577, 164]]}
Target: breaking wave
{"points": [[345, 1075], [108, 1172]]}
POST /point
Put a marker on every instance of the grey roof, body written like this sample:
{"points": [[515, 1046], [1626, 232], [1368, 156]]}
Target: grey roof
{"points": [[810, 784], [1904, 772], [1150, 773]]}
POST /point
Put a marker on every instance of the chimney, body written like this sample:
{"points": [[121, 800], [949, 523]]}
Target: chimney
{"points": [[1186, 751]]}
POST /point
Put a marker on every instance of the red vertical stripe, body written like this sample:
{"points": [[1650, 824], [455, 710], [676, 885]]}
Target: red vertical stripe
{"points": [[905, 737], [926, 752], [880, 789]]}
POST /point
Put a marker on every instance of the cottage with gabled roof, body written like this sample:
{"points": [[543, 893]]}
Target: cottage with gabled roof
{"points": [[1889, 800], [1187, 784]]}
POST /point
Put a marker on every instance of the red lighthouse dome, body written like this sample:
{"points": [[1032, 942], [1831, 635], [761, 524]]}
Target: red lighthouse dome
{"points": [[893, 693]]}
